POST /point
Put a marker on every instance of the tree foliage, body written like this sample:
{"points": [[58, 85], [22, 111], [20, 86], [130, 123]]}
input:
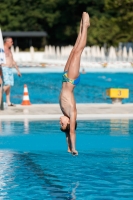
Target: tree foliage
{"points": [[111, 21]]}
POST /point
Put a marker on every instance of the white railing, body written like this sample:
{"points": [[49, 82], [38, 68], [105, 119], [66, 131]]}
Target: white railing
{"points": [[59, 55]]}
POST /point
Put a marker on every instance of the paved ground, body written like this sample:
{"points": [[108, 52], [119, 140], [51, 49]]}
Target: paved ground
{"points": [[52, 112]]}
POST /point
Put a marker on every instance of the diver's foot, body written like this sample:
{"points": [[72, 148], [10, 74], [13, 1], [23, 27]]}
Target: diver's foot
{"points": [[86, 19], [74, 152]]}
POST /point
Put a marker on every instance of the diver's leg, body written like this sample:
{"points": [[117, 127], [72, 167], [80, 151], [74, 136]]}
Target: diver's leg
{"points": [[74, 65], [75, 46]]}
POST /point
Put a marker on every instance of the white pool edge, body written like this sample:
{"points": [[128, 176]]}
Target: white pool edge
{"points": [[57, 116], [60, 70]]}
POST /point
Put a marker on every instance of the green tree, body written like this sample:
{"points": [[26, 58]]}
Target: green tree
{"points": [[111, 21], [122, 17], [59, 18]]}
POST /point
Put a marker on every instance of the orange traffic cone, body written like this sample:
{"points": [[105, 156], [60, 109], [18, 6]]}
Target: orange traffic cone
{"points": [[26, 100]]}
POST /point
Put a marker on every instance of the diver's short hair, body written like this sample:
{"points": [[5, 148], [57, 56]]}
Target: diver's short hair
{"points": [[67, 129]]}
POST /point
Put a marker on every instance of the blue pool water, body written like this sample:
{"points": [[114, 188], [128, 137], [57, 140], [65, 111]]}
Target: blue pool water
{"points": [[34, 163], [45, 87]]}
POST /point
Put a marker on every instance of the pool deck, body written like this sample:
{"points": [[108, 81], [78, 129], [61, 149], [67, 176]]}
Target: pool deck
{"points": [[53, 112]]}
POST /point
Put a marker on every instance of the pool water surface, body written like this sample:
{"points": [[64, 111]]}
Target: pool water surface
{"points": [[34, 163], [45, 87]]}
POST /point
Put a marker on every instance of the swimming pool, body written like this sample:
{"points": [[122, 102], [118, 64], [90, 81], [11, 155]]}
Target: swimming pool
{"points": [[34, 163], [45, 87]]}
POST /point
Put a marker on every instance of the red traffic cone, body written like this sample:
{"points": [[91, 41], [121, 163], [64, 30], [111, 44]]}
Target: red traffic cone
{"points": [[26, 100]]}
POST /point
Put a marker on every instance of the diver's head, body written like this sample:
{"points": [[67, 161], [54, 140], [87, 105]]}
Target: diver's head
{"points": [[65, 124]]}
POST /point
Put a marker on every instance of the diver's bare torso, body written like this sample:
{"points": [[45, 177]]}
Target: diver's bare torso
{"points": [[67, 101]]}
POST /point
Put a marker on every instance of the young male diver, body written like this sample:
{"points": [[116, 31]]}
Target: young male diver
{"points": [[70, 79]]}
